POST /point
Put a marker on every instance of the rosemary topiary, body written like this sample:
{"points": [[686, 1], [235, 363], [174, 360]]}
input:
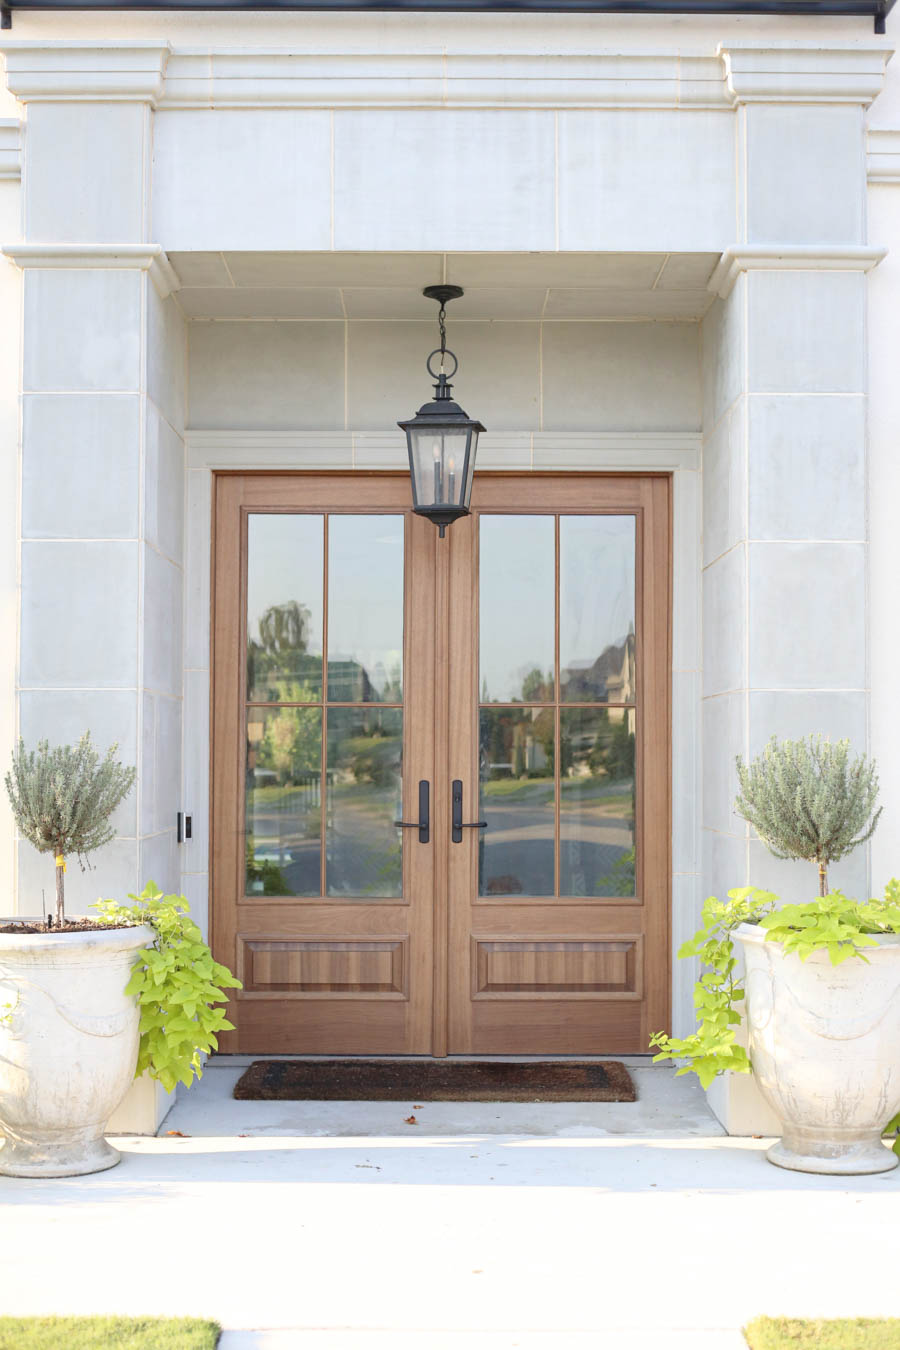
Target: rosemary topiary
{"points": [[808, 800], [62, 800]]}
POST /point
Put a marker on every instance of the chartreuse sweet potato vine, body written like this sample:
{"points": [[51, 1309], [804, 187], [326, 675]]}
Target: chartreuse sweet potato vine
{"points": [[831, 923], [176, 982]]}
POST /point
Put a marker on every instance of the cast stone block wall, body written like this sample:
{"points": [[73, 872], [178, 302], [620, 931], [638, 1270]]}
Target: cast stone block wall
{"points": [[102, 480], [102, 551], [552, 376]]}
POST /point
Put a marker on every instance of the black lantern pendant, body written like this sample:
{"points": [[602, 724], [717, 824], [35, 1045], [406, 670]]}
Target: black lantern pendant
{"points": [[441, 438]]}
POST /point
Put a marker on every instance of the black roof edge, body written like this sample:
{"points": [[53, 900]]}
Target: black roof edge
{"points": [[878, 10]]}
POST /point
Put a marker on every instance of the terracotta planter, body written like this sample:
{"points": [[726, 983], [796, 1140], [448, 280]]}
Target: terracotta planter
{"points": [[825, 1049], [68, 1047]]}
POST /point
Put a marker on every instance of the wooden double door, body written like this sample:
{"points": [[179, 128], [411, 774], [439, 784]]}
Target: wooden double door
{"points": [[503, 692]]}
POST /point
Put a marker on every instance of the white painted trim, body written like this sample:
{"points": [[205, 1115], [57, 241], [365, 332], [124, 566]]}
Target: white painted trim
{"points": [[678, 453], [791, 258], [883, 157], [150, 258], [642, 451], [10, 149]]}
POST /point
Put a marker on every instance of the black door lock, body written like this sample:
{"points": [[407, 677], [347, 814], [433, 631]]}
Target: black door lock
{"points": [[457, 822], [423, 824]]}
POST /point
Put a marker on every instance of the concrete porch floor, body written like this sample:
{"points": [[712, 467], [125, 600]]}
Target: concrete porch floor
{"points": [[336, 1226]]}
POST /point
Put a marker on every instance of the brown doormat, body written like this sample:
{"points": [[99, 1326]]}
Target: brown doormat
{"points": [[434, 1080]]}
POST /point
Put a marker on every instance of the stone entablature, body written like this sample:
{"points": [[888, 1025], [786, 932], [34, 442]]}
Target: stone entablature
{"points": [[154, 73]]}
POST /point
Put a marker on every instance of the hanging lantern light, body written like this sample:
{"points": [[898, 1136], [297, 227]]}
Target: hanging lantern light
{"points": [[441, 438]]}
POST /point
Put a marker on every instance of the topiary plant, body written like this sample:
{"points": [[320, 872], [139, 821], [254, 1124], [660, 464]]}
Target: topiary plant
{"points": [[809, 800], [62, 800]]}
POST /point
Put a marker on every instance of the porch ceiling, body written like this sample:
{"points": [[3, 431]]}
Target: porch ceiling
{"points": [[388, 286]]}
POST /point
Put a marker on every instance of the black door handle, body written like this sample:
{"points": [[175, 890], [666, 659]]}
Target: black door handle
{"points": [[457, 822], [423, 824]]}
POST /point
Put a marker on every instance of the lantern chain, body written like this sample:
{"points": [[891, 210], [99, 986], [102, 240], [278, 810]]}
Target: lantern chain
{"points": [[442, 315]]}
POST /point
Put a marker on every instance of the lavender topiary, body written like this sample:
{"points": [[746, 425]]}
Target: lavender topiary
{"points": [[62, 800], [807, 799]]}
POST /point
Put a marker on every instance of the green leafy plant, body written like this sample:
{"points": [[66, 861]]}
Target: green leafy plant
{"points": [[805, 800], [809, 800], [713, 1047], [176, 982], [832, 923], [62, 800]]}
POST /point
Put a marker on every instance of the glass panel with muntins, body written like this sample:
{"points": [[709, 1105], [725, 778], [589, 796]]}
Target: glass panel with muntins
{"points": [[365, 609], [597, 609], [518, 801], [363, 846], [597, 803], [283, 800], [285, 562], [517, 614]]}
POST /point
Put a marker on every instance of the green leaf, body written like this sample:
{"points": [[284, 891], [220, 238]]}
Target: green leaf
{"points": [[831, 923], [177, 984]]}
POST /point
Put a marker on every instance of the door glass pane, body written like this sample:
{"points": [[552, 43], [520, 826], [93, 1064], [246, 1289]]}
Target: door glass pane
{"points": [[517, 617], [365, 609], [596, 613], [284, 608], [362, 844], [596, 810], [518, 800], [283, 815]]}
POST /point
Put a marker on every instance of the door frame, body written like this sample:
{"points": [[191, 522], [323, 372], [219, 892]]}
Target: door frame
{"points": [[677, 453]]}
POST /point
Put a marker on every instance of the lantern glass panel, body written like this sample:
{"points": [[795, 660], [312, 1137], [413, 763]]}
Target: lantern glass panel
{"points": [[438, 456]]}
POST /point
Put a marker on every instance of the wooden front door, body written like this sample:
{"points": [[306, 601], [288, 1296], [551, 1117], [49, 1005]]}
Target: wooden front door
{"points": [[515, 673]]}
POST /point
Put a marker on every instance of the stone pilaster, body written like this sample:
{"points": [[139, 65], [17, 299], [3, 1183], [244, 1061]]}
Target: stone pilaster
{"points": [[102, 456]]}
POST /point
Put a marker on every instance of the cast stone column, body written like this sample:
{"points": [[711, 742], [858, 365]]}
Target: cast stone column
{"points": [[102, 457]]}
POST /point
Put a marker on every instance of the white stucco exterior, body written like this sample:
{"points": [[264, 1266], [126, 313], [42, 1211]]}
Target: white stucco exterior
{"points": [[677, 239]]}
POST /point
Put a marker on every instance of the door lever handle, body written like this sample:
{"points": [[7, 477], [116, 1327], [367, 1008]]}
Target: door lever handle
{"points": [[457, 822], [423, 824]]}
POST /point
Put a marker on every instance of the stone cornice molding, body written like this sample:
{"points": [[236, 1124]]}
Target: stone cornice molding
{"points": [[286, 79], [150, 72], [883, 158], [795, 72], [791, 258], [10, 149], [150, 258], [90, 71]]}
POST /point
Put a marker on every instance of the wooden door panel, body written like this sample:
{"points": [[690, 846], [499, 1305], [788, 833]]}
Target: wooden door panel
{"points": [[322, 973], [441, 968], [560, 973]]}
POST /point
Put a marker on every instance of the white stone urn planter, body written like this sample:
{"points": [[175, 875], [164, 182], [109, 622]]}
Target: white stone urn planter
{"points": [[68, 1047], [825, 1048]]}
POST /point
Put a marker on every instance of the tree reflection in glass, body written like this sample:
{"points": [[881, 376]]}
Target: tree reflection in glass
{"points": [[283, 787], [362, 845], [285, 573], [518, 800], [597, 802]]}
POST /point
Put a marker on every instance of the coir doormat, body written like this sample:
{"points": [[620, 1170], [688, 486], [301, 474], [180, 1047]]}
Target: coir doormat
{"points": [[435, 1080]]}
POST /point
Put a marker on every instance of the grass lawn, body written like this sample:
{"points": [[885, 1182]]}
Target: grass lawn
{"points": [[108, 1333], [853, 1333]]}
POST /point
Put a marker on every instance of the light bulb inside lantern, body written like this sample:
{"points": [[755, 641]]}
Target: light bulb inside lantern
{"points": [[438, 472]]}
